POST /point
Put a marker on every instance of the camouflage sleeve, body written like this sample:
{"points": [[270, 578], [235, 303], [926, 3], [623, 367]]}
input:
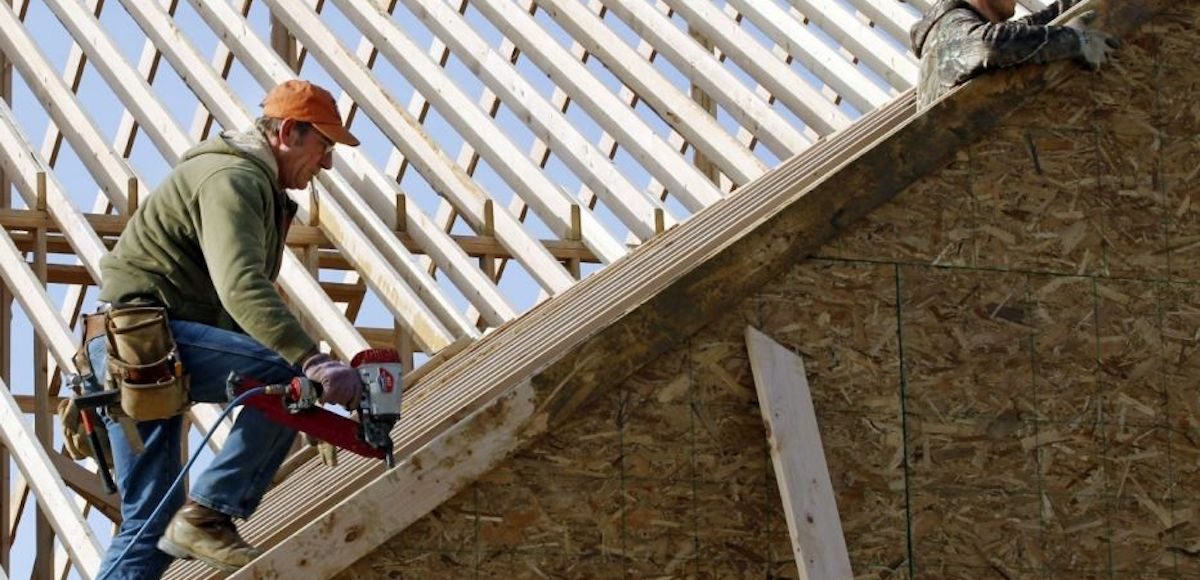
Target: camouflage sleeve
{"points": [[1012, 43], [1048, 14]]}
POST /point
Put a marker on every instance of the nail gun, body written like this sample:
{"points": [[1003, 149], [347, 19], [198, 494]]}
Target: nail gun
{"points": [[298, 405]]}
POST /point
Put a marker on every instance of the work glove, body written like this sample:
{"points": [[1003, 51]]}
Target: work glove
{"points": [[1094, 45], [340, 383]]}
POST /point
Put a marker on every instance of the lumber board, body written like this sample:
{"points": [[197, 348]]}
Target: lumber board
{"points": [[805, 485], [624, 316], [683, 114], [48, 485], [170, 140]]}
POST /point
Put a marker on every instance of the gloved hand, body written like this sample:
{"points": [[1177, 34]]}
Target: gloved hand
{"points": [[1094, 44], [340, 383]]}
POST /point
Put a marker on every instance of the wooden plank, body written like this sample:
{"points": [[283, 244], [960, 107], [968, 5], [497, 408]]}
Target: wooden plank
{"points": [[23, 283], [388, 266], [897, 67], [527, 181], [703, 69], [171, 142], [675, 284], [87, 484], [771, 72], [409, 136], [21, 161], [48, 485], [547, 123], [809, 501], [6, 302], [676, 108], [43, 421], [890, 16], [307, 553], [110, 172]]}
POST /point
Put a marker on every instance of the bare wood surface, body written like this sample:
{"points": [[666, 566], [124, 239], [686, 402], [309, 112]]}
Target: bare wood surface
{"points": [[809, 501], [633, 310]]}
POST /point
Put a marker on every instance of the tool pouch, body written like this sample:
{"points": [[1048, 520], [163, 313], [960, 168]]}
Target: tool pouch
{"points": [[143, 362]]}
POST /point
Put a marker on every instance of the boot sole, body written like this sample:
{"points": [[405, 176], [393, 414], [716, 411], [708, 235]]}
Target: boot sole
{"points": [[174, 550]]}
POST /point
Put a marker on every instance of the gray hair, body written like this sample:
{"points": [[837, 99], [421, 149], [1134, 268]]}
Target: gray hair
{"points": [[269, 126]]}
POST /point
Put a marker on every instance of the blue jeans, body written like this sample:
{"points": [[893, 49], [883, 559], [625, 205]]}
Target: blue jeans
{"points": [[240, 473]]}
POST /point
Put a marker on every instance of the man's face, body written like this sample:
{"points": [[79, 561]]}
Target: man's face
{"points": [[301, 154], [998, 10]]}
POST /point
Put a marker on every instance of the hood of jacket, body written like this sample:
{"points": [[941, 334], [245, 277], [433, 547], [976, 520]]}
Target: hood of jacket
{"points": [[920, 30], [249, 144]]}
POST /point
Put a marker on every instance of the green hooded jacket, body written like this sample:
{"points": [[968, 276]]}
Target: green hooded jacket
{"points": [[208, 244]]}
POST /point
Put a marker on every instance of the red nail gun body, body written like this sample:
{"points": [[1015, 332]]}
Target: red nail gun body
{"points": [[297, 405]]}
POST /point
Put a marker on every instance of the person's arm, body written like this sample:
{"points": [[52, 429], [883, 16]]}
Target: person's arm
{"points": [[1009, 44], [1048, 14], [232, 211]]}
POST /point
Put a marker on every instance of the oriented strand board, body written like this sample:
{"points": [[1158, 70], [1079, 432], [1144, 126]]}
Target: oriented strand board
{"points": [[1130, 351], [1023, 405], [1132, 199], [1181, 176], [931, 222], [1035, 193], [848, 339], [966, 343], [1064, 348]]}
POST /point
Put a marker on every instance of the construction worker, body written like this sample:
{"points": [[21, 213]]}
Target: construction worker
{"points": [[206, 247], [959, 39]]}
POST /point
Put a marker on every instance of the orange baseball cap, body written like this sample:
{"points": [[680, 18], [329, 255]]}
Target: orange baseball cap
{"points": [[304, 101]]}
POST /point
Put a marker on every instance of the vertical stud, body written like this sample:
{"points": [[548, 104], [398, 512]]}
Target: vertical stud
{"points": [[575, 235]]}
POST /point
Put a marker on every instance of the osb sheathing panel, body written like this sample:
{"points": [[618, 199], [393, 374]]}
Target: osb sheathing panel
{"points": [[1004, 362]]}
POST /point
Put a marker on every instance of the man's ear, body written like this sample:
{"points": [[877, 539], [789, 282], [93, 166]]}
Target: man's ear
{"points": [[287, 132]]}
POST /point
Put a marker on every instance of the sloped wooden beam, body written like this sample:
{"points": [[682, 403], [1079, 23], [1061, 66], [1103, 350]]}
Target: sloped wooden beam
{"points": [[772, 73], [897, 66], [172, 142], [608, 326], [809, 501], [528, 181], [675, 107], [702, 69], [410, 137], [549, 124], [48, 485]]}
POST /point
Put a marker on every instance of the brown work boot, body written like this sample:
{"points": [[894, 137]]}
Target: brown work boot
{"points": [[206, 535]]}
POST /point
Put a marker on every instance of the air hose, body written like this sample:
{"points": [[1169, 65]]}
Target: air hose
{"points": [[179, 479]]}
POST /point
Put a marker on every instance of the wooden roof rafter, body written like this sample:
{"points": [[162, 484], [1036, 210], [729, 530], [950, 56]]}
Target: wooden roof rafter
{"points": [[648, 122]]}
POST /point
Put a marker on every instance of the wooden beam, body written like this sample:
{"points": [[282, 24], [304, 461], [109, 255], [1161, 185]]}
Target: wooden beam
{"points": [[307, 553], [890, 16], [673, 106], [6, 302], [703, 69], [809, 501], [594, 169], [528, 181], [20, 221], [409, 136], [43, 421], [609, 326], [411, 296], [776, 76], [48, 485], [172, 142], [897, 67], [87, 484]]}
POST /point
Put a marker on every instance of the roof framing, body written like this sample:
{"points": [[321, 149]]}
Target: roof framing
{"points": [[624, 119]]}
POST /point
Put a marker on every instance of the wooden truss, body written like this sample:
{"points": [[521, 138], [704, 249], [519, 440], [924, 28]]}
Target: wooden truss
{"points": [[509, 154]]}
